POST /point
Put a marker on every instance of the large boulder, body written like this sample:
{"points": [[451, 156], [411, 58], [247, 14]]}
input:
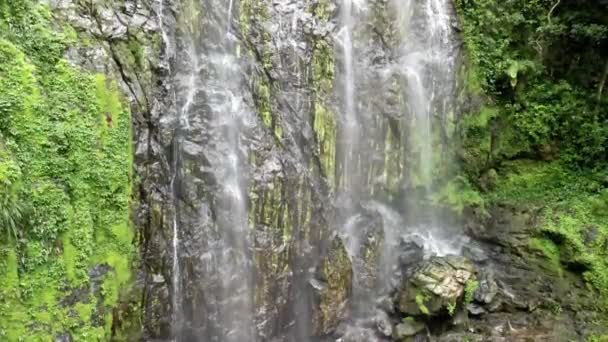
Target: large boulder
{"points": [[435, 285]]}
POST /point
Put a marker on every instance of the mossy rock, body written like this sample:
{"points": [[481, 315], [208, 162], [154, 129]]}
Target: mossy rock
{"points": [[435, 285]]}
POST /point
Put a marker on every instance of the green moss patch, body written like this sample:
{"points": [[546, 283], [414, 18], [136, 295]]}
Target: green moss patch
{"points": [[65, 155]]}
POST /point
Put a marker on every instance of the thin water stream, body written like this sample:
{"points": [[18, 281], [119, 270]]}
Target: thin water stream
{"points": [[212, 111]]}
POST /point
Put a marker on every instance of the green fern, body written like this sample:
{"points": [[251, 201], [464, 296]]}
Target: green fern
{"points": [[11, 214]]}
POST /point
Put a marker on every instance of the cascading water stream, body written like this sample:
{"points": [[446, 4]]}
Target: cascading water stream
{"points": [[349, 153], [350, 116], [212, 110], [426, 61], [161, 24], [228, 112], [190, 85], [350, 124], [183, 126], [176, 273], [229, 21], [176, 297]]}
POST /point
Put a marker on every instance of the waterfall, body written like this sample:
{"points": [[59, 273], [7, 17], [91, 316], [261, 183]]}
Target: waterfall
{"points": [[349, 133], [423, 56], [427, 58], [351, 123], [390, 96], [161, 24], [175, 241], [208, 144], [234, 260], [176, 295], [229, 21], [183, 125]]}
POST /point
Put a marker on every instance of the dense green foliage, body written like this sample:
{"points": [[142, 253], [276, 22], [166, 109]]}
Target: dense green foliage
{"points": [[541, 138], [64, 185], [544, 64]]}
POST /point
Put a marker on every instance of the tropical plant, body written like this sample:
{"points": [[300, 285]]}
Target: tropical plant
{"points": [[11, 214]]}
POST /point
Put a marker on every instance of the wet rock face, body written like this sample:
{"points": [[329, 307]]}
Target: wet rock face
{"points": [[332, 287], [383, 324], [281, 177], [517, 299], [288, 155], [487, 287], [434, 285], [506, 226], [408, 328], [370, 252], [359, 334], [122, 45], [410, 254]]}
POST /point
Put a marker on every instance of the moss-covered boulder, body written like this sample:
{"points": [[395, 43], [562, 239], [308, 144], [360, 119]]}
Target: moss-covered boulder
{"points": [[435, 286]]}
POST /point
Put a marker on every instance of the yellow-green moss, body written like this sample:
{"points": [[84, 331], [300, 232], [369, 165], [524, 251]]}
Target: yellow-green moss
{"points": [[420, 301], [249, 10], [325, 129], [550, 251], [324, 120]]}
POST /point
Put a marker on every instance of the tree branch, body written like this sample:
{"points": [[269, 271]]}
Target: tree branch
{"points": [[551, 11], [600, 88]]}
